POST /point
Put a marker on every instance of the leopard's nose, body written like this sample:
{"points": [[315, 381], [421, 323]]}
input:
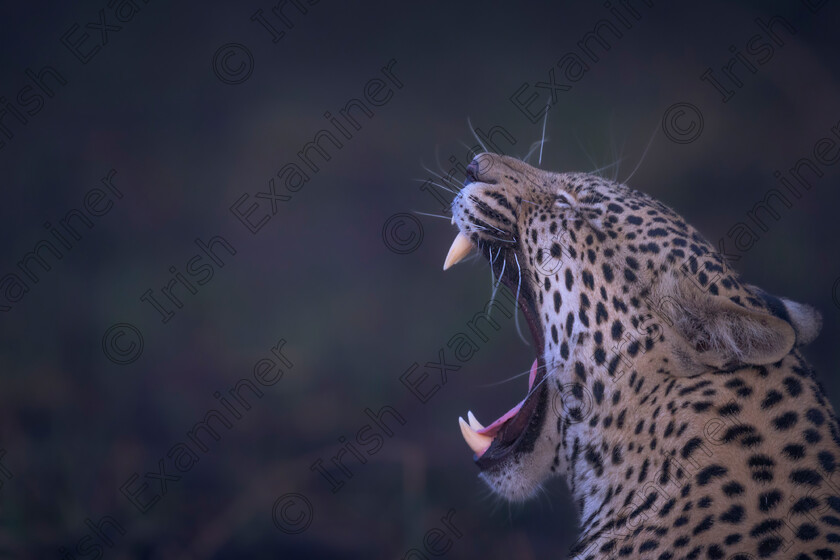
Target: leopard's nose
{"points": [[479, 169], [472, 173]]}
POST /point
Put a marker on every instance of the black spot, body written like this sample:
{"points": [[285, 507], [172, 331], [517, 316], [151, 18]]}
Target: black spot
{"points": [[704, 525], [827, 461], [600, 313], [598, 391], [805, 477], [794, 451], [733, 489], [760, 461], [714, 552], [729, 409], [765, 527], [769, 546], [734, 538], [811, 435], [769, 500], [701, 406], [569, 279], [580, 371], [807, 532], [830, 520], [804, 505], [773, 397], [710, 472], [558, 301], [815, 417], [785, 421], [733, 515], [608, 272], [793, 386], [736, 431]]}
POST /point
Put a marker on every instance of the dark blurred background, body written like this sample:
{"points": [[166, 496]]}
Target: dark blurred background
{"points": [[339, 272]]}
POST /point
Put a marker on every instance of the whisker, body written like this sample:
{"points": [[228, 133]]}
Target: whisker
{"points": [[652, 136], [483, 147], [605, 167], [534, 146], [584, 150], [492, 274], [482, 222], [468, 147], [492, 282], [437, 159], [545, 121], [444, 178], [447, 189], [516, 311], [501, 240], [543, 380], [512, 378], [447, 218], [502, 273]]}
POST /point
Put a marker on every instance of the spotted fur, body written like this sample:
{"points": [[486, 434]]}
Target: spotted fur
{"points": [[677, 404]]}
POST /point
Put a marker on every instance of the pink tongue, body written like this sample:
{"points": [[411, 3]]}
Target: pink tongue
{"points": [[494, 428], [533, 375]]}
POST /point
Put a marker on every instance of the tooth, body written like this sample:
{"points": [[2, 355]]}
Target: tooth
{"points": [[477, 442], [460, 249], [474, 423]]}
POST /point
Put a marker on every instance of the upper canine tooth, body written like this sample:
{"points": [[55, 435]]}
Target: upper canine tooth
{"points": [[474, 423], [477, 442], [460, 249]]}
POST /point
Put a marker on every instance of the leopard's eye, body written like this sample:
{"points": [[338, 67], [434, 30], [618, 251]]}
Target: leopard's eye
{"points": [[562, 201]]}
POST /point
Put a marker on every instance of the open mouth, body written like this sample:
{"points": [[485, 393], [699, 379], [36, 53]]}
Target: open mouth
{"points": [[517, 429]]}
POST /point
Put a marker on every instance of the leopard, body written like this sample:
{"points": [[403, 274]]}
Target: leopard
{"points": [[671, 396]]}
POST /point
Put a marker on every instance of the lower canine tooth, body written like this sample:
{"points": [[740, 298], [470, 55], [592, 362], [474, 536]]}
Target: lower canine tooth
{"points": [[477, 442], [461, 247], [474, 423]]}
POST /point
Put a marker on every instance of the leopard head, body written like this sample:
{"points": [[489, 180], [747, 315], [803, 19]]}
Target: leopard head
{"points": [[618, 291]]}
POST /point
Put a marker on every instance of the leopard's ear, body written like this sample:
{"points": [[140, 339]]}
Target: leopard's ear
{"points": [[708, 331], [805, 320]]}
